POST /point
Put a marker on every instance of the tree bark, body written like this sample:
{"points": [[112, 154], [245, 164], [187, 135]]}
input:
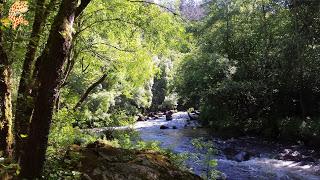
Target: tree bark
{"points": [[24, 106], [86, 94], [6, 136], [49, 78]]}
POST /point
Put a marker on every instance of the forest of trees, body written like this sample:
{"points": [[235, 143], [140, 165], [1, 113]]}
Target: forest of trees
{"points": [[255, 69], [250, 67], [68, 50]]}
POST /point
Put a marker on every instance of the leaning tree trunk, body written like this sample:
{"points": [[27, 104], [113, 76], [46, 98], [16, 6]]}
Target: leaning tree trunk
{"points": [[6, 137], [49, 78]]}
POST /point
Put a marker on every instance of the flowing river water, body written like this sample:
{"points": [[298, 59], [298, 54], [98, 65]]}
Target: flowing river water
{"points": [[238, 159]]}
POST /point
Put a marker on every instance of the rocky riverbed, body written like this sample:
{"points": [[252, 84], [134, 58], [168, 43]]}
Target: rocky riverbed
{"points": [[238, 158]]}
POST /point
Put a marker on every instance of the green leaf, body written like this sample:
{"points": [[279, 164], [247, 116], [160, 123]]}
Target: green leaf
{"points": [[213, 163], [5, 22], [23, 135]]}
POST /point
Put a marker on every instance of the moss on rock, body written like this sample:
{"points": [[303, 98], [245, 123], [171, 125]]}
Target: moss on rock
{"points": [[101, 161]]}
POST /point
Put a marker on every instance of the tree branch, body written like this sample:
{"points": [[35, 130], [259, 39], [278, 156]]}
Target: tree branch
{"points": [[86, 94], [104, 20], [156, 4], [81, 7], [118, 48]]}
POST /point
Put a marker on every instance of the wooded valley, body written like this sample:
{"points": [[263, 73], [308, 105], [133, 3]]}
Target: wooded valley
{"points": [[89, 88]]}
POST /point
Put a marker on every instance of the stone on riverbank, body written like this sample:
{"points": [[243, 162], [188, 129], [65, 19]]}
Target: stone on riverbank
{"points": [[101, 161]]}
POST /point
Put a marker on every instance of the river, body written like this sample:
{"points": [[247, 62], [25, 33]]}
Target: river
{"points": [[238, 159]]}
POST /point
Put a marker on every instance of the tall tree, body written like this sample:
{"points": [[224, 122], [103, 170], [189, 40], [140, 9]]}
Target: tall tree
{"points": [[51, 63], [6, 136], [24, 105]]}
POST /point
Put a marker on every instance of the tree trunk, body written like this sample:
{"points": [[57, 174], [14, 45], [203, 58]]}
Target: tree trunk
{"points": [[6, 136], [49, 79], [86, 94], [24, 106]]}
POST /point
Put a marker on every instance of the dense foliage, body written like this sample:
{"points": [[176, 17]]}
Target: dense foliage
{"points": [[69, 64], [256, 68], [111, 44]]}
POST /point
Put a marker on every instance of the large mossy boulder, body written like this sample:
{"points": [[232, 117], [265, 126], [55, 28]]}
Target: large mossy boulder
{"points": [[101, 161]]}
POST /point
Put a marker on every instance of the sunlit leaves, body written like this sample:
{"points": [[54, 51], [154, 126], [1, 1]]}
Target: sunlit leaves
{"points": [[122, 38], [16, 13], [23, 135], [5, 22]]}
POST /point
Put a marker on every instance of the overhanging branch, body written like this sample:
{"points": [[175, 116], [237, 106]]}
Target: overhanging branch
{"points": [[156, 4], [104, 20], [81, 7]]}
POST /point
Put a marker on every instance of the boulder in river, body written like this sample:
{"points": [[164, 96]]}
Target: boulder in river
{"points": [[151, 114], [174, 127], [141, 118], [242, 156], [193, 116], [229, 152], [164, 127], [169, 115], [290, 155], [237, 155]]}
